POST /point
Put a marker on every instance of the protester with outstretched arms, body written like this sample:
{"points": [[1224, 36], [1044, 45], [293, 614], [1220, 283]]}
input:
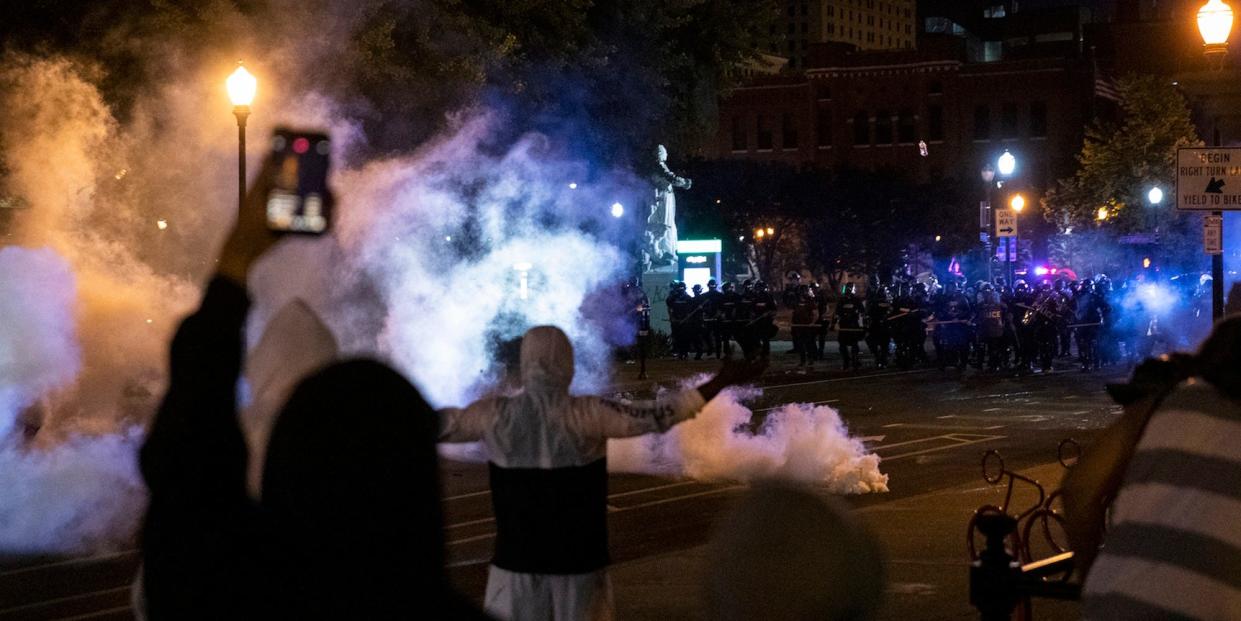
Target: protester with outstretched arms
{"points": [[548, 470]]}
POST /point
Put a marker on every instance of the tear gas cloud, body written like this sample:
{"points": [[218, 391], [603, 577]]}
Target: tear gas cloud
{"points": [[807, 443]]}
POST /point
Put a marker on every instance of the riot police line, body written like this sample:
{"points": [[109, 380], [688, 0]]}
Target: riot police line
{"points": [[985, 325]]}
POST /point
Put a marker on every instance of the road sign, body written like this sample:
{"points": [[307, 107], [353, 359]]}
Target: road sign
{"points": [[1208, 179], [1005, 223], [1213, 234]]}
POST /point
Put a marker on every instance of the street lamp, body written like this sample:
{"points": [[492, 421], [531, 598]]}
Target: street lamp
{"points": [[618, 210], [1007, 163], [1102, 214], [1215, 24], [1155, 196], [988, 178], [241, 86], [1016, 203]]}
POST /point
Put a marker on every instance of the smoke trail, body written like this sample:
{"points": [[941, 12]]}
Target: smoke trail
{"points": [[797, 441]]}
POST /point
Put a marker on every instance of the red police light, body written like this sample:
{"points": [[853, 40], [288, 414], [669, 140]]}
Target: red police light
{"points": [[301, 145]]}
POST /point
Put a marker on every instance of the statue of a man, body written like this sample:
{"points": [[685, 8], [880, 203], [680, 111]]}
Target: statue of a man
{"points": [[661, 223]]}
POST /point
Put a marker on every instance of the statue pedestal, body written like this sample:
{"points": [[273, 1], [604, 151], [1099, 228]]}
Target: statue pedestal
{"points": [[656, 284]]}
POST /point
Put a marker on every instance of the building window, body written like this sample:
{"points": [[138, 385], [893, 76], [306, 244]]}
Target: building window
{"points": [[861, 129], [906, 129], [883, 127], [823, 127], [741, 141], [982, 123], [788, 132], [1038, 120], [935, 122], [1008, 120], [764, 133]]}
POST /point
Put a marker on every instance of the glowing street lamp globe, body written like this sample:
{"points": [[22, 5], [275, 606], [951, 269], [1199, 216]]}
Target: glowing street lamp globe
{"points": [[1102, 214], [1007, 164], [241, 87], [1215, 24], [1155, 196], [618, 210], [1018, 203]]}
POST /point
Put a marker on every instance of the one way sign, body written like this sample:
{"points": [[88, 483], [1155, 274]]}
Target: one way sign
{"points": [[1005, 223]]}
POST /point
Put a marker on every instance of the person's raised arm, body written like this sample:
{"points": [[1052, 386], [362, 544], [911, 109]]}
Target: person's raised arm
{"points": [[195, 441], [614, 419]]}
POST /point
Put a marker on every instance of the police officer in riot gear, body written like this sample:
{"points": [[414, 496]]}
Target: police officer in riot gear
{"points": [[804, 327], [1090, 308], [993, 323], [878, 334], [764, 320], [680, 305], [727, 319], [711, 337], [743, 321], [850, 327], [694, 323]]}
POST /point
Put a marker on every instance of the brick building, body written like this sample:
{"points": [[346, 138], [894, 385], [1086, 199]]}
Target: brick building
{"points": [[871, 110], [865, 24]]}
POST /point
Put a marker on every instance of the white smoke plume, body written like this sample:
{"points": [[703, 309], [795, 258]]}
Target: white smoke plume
{"points": [[807, 443]]}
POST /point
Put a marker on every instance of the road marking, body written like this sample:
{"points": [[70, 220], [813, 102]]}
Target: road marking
{"points": [[908, 442], [960, 443], [469, 495], [643, 490], [872, 438], [962, 427], [847, 379], [102, 558], [776, 407]]}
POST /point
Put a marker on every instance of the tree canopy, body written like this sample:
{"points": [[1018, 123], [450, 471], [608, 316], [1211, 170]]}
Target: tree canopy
{"points": [[612, 77], [1120, 161]]}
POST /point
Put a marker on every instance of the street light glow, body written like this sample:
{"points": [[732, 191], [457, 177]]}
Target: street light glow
{"points": [[241, 86], [1007, 163], [1155, 196], [573, 186], [1215, 23], [771, 231], [618, 210], [1018, 203], [1102, 214], [759, 233]]}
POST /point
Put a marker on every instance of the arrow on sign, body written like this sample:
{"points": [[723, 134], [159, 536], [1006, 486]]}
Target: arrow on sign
{"points": [[1007, 230]]}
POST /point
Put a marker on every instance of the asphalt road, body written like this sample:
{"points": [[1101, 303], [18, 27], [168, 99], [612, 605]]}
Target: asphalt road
{"points": [[930, 428]]}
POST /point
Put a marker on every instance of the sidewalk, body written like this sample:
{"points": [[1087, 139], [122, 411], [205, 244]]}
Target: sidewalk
{"points": [[927, 562]]}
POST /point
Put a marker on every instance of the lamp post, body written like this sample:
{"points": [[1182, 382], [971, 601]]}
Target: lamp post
{"points": [[1215, 24], [988, 177], [241, 86], [1016, 203]]}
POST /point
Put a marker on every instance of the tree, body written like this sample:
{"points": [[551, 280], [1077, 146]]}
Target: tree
{"points": [[1118, 164]]}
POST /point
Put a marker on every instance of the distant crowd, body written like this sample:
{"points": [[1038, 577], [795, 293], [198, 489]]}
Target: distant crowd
{"points": [[1022, 328]]}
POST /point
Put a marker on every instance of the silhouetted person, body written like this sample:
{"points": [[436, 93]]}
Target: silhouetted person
{"points": [[349, 524], [786, 554], [1171, 464]]}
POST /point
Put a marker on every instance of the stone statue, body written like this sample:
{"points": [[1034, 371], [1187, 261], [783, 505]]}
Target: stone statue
{"points": [[661, 223]]}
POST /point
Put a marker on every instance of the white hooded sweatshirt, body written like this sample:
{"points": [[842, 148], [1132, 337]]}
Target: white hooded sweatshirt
{"points": [[549, 481]]}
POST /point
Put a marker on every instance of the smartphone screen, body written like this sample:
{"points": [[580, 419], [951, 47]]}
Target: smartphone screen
{"points": [[299, 200]]}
